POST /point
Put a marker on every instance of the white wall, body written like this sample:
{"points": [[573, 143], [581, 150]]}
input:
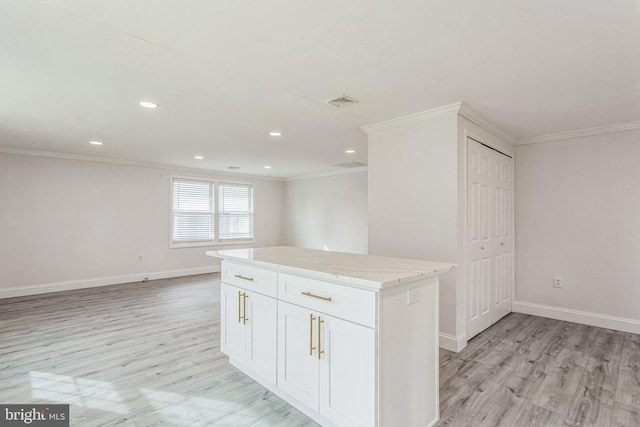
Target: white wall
{"points": [[413, 191], [327, 212], [70, 223], [578, 216]]}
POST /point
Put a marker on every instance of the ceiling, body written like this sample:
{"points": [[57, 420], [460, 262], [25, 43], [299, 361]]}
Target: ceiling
{"points": [[226, 73]]}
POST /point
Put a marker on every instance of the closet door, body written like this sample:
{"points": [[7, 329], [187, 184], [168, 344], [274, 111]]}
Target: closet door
{"points": [[479, 238], [502, 236], [489, 236]]}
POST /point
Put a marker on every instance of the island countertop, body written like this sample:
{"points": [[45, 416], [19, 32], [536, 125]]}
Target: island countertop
{"points": [[369, 271]]}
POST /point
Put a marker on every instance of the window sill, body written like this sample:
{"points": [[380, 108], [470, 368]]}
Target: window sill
{"points": [[229, 242]]}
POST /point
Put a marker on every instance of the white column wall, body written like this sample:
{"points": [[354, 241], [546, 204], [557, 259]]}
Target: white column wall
{"points": [[413, 198]]}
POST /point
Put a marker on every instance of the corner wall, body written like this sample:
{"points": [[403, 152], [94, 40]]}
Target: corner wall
{"points": [[578, 216], [67, 224], [327, 212]]}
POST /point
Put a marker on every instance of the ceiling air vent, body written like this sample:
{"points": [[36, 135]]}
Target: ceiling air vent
{"points": [[341, 101], [350, 165]]}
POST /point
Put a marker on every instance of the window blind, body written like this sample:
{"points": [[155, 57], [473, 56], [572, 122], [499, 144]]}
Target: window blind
{"points": [[192, 210], [235, 211]]}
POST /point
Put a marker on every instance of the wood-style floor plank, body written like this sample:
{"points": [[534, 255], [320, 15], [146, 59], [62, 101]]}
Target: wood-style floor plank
{"points": [[535, 416], [543, 373], [593, 402], [144, 354], [148, 354], [504, 410], [625, 416], [561, 383], [628, 389]]}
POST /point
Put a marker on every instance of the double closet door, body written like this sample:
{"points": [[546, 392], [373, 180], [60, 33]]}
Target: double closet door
{"points": [[489, 236]]}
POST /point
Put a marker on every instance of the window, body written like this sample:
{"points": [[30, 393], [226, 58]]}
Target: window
{"points": [[192, 211], [236, 211], [196, 222]]}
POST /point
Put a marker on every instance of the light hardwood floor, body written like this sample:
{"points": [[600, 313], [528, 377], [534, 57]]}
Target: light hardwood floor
{"points": [[147, 354], [532, 371]]}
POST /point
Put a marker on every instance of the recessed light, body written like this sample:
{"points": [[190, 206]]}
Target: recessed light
{"points": [[350, 151], [267, 167], [198, 157], [95, 142], [148, 104], [275, 133]]}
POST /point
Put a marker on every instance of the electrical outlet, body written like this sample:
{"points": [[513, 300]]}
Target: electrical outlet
{"points": [[558, 281], [413, 296]]}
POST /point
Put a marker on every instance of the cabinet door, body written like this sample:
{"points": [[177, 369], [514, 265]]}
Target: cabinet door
{"points": [[261, 335], [347, 372], [232, 328], [298, 370]]}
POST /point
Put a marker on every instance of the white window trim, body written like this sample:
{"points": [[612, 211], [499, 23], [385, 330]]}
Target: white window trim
{"points": [[216, 241]]}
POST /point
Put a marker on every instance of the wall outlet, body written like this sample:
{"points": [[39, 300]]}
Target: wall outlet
{"points": [[558, 281], [413, 296]]}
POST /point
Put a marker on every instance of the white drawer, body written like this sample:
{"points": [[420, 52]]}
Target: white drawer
{"points": [[261, 281], [353, 304]]}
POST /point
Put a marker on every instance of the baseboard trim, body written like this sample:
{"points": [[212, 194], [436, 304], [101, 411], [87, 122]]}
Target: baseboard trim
{"points": [[103, 281], [451, 343], [576, 316]]}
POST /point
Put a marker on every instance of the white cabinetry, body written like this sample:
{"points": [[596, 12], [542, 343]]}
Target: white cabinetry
{"points": [[347, 372], [328, 364], [298, 373], [248, 329], [349, 351]]}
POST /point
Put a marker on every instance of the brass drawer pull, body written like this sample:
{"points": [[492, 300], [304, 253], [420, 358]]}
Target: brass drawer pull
{"points": [[244, 311], [311, 347], [320, 350], [242, 307], [240, 276], [309, 294]]}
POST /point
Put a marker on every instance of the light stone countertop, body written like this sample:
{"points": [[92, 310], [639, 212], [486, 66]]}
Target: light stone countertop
{"points": [[369, 271]]}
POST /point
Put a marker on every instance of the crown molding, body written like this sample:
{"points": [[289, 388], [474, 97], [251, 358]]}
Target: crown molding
{"points": [[580, 133], [460, 108], [330, 173], [413, 118], [136, 163], [473, 116]]}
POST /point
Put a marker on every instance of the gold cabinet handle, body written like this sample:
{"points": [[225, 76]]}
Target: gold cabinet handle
{"points": [[240, 276], [239, 311], [309, 294], [244, 311], [320, 351], [311, 347]]}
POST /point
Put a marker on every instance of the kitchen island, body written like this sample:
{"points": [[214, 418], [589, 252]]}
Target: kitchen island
{"points": [[348, 339]]}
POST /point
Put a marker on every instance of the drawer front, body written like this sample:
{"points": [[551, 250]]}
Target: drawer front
{"points": [[261, 281], [353, 304]]}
